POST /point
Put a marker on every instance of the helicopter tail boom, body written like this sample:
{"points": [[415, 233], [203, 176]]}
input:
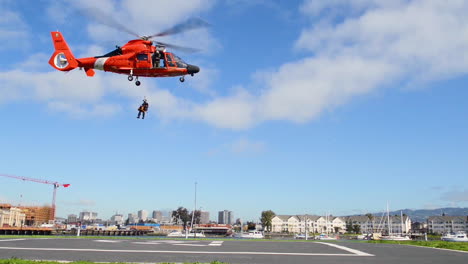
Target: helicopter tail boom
{"points": [[62, 59]]}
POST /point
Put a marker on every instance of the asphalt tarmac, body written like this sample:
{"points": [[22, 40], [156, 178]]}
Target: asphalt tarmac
{"points": [[231, 251]]}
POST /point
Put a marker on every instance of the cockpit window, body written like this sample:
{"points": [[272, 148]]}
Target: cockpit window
{"points": [[180, 63], [177, 58]]}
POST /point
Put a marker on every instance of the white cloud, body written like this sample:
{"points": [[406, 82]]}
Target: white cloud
{"points": [[84, 111], [34, 63], [300, 91], [12, 27], [144, 17], [375, 44], [204, 79], [70, 92], [339, 7], [236, 112], [379, 44]]}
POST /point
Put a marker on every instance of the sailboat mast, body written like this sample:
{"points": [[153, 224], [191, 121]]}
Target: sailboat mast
{"points": [[388, 219], [401, 216]]}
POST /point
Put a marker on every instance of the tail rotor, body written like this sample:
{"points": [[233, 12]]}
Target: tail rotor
{"points": [[62, 59]]}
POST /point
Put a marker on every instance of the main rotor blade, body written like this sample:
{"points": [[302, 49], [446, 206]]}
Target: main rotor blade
{"points": [[190, 24], [105, 19], [176, 47]]}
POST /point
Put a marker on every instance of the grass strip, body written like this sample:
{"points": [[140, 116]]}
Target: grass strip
{"points": [[463, 246]]}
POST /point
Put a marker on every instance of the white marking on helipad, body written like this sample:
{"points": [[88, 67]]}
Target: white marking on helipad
{"points": [[161, 242], [190, 252], [216, 243], [108, 241], [354, 251], [12, 239], [147, 243], [191, 245], [171, 241]]}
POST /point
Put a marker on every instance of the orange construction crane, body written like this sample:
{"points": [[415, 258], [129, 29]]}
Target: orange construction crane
{"points": [[55, 184]]}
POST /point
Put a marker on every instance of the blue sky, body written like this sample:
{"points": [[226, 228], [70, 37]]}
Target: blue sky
{"points": [[300, 107]]}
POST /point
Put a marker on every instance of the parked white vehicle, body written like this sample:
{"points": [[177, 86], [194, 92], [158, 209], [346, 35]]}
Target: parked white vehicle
{"points": [[325, 237], [300, 236]]}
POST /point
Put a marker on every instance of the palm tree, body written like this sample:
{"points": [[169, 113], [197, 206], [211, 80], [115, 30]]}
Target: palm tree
{"points": [[181, 215]]}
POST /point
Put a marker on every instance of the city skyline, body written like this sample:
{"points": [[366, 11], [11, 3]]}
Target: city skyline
{"points": [[300, 106]]}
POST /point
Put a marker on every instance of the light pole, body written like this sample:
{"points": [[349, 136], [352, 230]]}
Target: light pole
{"points": [[306, 233], [194, 209]]}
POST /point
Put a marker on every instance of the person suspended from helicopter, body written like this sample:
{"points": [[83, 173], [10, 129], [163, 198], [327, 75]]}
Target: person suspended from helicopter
{"points": [[143, 109]]}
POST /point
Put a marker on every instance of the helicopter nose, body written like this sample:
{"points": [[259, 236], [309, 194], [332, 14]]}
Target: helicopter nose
{"points": [[191, 69]]}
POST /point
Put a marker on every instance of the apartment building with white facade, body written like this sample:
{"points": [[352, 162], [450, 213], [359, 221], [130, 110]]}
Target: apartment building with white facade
{"points": [[311, 223], [12, 217], [379, 224], [333, 224], [447, 224]]}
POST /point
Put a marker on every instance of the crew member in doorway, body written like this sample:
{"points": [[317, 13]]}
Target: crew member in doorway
{"points": [[142, 109], [156, 59]]}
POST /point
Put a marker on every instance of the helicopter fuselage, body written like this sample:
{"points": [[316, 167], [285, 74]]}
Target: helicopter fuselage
{"points": [[137, 58]]}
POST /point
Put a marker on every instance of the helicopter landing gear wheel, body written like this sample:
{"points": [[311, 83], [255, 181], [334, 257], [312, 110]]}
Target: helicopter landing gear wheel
{"points": [[130, 78], [137, 83], [182, 79]]}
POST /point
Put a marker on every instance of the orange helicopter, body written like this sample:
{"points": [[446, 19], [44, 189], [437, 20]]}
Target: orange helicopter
{"points": [[138, 58]]}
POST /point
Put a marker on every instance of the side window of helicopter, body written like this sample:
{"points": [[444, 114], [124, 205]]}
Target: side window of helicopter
{"points": [[169, 63], [142, 57]]}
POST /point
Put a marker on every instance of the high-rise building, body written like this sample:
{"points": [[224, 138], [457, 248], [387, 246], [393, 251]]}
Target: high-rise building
{"points": [[88, 216], [143, 215], [132, 218], [225, 217], [204, 217], [117, 219], [157, 216], [72, 218]]}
